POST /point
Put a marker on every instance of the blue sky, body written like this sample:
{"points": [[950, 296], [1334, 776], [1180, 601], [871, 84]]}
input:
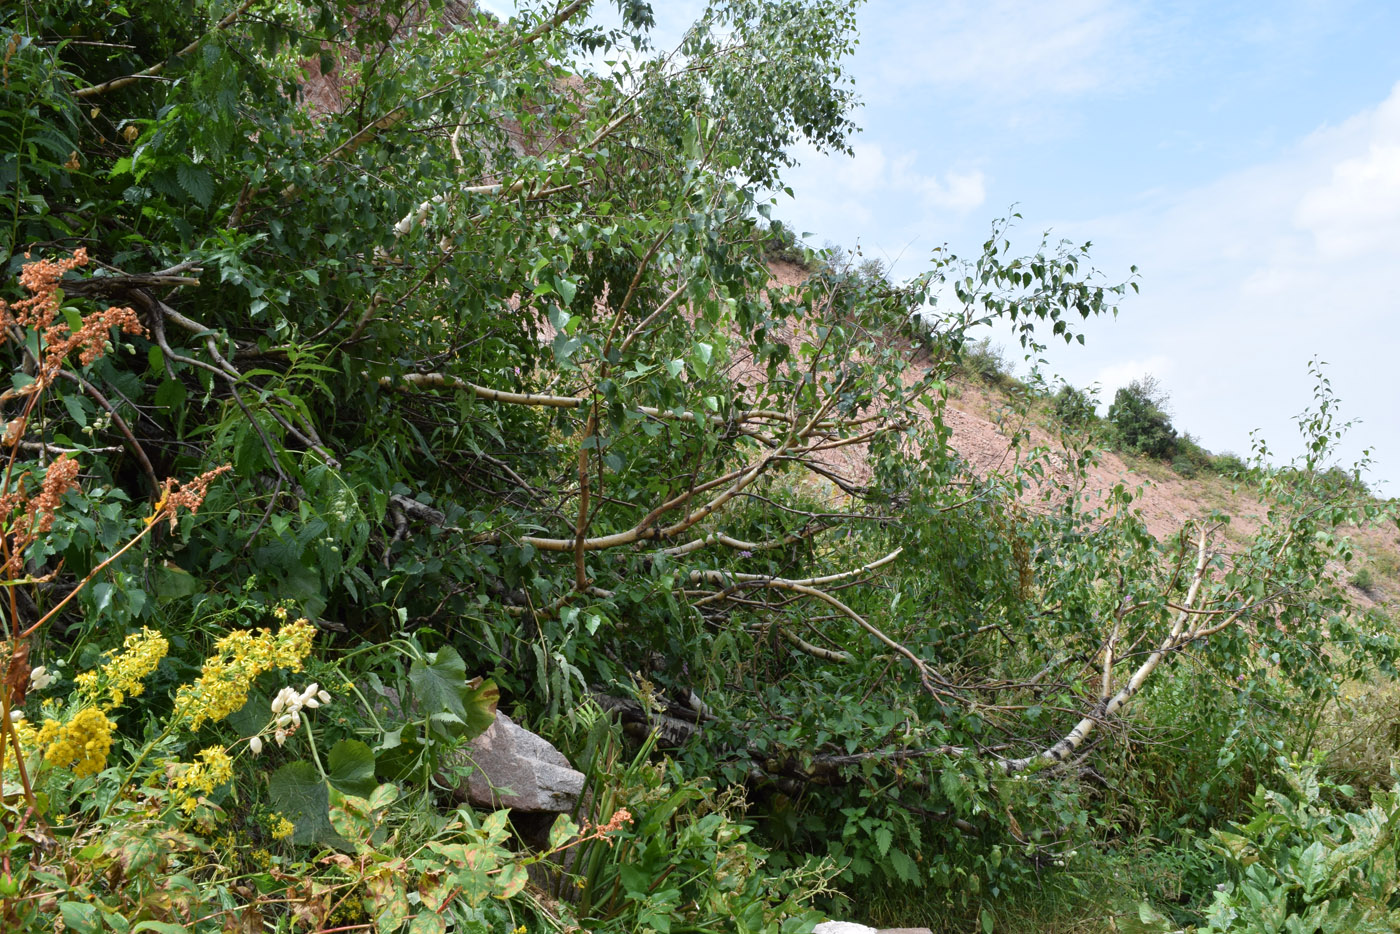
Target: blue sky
{"points": [[1245, 156]]}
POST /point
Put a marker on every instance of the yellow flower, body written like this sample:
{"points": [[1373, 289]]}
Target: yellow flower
{"points": [[142, 653], [282, 828], [121, 675], [203, 777], [227, 676], [32, 739], [82, 743]]}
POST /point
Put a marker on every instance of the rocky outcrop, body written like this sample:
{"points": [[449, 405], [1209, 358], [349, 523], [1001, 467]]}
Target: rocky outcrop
{"points": [[514, 768]]}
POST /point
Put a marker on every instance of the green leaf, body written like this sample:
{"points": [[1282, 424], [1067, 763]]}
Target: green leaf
{"points": [[196, 182], [567, 289], [351, 768], [174, 582], [904, 867], [427, 922], [511, 881], [988, 922], [563, 830], [441, 686], [388, 901], [299, 794], [74, 405], [350, 817], [170, 394], [80, 917], [383, 796]]}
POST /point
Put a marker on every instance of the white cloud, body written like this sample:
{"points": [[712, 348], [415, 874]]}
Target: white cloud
{"points": [[839, 196], [1357, 211], [1248, 278], [835, 184], [955, 191], [864, 172], [1009, 48], [1114, 377]]}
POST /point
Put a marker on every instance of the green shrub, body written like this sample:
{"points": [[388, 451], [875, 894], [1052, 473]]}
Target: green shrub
{"points": [[1074, 407], [1298, 865], [782, 244], [678, 854], [1228, 465], [1140, 421], [1363, 580], [1360, 736], [987, 362], [1184, 467]]}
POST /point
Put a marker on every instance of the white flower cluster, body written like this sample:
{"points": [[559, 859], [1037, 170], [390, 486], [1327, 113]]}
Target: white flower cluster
{"points": [[40, 678], [286, 710]]}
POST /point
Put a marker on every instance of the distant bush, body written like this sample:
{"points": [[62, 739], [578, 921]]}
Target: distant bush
{"points": [[1191, 460], [1363, 580], [1140, 421], [1341, 480], [1333, 481], [1185, 467], [987, 362], [782, 244], [1074, 407], [1228, 464]]}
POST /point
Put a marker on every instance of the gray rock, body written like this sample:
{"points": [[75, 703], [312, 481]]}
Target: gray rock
{"points": [[849, 927], [514, 768]]}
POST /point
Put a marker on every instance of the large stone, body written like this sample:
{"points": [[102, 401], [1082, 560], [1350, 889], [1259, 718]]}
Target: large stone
{"points": [[514, 768], [849, 927]]}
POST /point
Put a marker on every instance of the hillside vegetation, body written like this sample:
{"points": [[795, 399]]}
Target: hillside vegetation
{"points": [[379, 367]]}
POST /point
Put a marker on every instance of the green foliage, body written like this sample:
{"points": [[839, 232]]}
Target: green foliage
{"points": [[509, 404], [1297, 864], [987, 362], [682, 859], [1191, 460], [782, 244], [1139, 419], [1074, 407], [1359, 736]]}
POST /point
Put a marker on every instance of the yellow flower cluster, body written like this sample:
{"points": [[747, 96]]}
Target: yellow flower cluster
{"points": [[82, 743], [223, 684], [282, 828], [122, 674], [203, 777]]}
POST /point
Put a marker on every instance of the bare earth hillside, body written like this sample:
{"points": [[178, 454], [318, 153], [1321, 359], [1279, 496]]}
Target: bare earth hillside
{"points": [[983, 422]]}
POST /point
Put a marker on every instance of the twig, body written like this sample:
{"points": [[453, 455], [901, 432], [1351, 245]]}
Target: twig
{"points": [[118, 83], [132, 444]]}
